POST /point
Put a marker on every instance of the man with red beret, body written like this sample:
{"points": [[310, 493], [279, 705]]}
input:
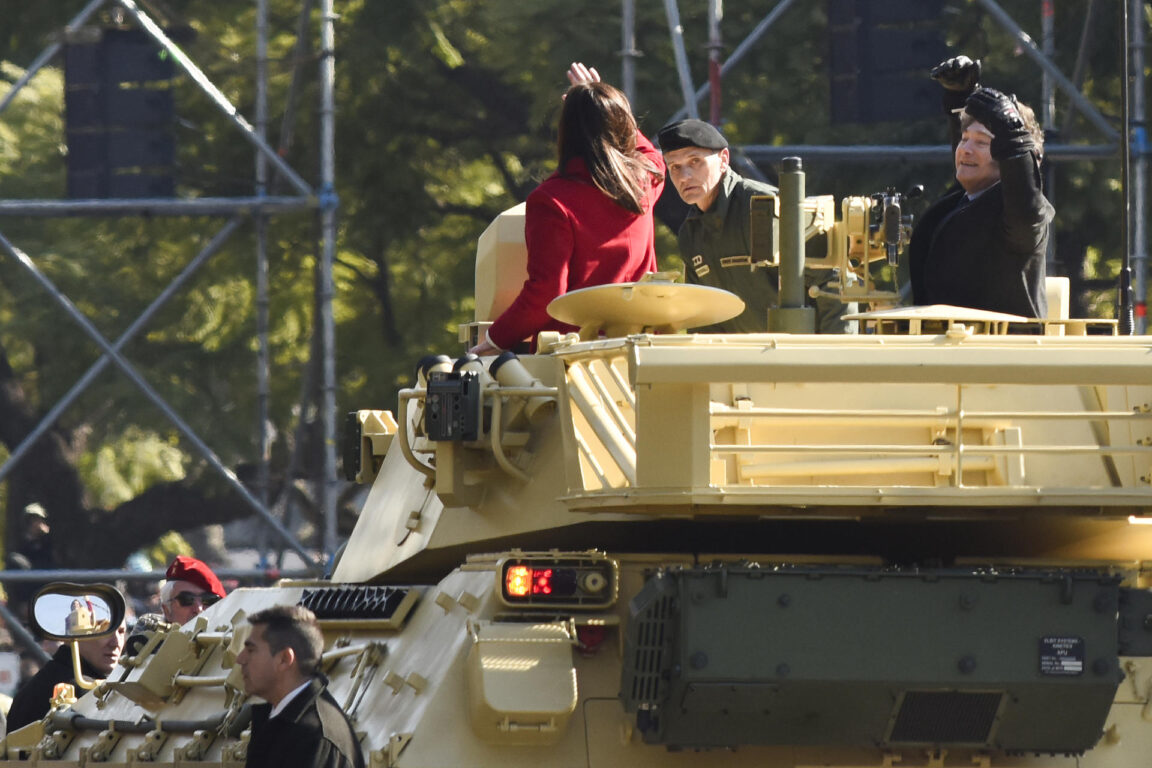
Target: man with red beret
{"points": [[190, 588]]}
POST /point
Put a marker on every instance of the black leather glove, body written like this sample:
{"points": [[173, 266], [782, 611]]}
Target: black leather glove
{"points": [[959, 75], [999, 114]]}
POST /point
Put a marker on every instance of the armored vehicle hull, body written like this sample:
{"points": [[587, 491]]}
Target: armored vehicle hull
{"points": [[770, 550]]}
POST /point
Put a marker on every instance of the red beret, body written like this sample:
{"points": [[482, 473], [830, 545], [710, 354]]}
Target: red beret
{"points": [[193, 571]]}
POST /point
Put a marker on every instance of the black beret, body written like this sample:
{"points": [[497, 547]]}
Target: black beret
{"points": [[690, 133]]}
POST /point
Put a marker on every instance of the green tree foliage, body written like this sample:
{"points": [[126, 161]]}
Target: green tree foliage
{"points": [[445, 116]]}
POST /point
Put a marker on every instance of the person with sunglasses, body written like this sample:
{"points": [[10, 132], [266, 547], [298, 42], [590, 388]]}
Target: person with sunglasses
{"points": [[191, 586]]}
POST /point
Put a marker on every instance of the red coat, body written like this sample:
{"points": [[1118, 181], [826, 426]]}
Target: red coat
{"points": [[577, 236]]}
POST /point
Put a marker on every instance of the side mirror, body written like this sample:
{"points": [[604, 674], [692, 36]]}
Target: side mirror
{"points": [[64, 611], [75, 612]]}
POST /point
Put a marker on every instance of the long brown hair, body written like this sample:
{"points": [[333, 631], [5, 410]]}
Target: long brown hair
{"points": [[597, 125]]}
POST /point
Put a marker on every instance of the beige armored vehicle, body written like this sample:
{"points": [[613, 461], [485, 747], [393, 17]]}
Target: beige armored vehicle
{"points": [[921, 545]]}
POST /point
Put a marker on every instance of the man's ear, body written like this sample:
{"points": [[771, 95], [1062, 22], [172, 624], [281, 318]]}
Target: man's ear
{"points": [[286, 658]]}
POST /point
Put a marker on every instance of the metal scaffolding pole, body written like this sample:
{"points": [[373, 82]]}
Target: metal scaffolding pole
{"points": [[1124, 308], [887, 153], [628, 52], [263, 365], [1048, 114], [299, 54], [204, 206], [329, 203], [1048, 41], [1081, 60], [1139, 178], [715, 15], [676, 30], [22, 635], [267, 575]]}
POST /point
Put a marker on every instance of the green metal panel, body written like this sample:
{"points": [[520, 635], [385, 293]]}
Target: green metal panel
{"points": [[1022, 660]]}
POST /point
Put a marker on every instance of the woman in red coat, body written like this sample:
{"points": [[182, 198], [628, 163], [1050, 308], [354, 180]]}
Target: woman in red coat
{"points": [[590, 222]]}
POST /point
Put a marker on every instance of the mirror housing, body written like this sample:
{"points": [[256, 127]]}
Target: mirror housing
{"points": [[65, 611]]}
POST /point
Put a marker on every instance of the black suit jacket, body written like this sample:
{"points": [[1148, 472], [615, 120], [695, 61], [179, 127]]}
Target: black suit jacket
{"points": [[989, 253], [311, 732], [32, 701]]}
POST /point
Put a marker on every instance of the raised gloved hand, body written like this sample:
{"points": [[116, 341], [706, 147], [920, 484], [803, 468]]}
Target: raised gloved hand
{"points": [[999, 114], [959, 75]]}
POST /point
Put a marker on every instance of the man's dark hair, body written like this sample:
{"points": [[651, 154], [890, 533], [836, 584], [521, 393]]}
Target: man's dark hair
{"points": [[292, 626]]}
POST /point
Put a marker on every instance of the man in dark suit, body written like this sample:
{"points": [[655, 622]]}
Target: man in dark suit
{"points": [[98, 657], [984, 244], [301, 725]]}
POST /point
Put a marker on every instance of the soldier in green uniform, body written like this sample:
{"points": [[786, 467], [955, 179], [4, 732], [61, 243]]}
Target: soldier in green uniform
{"points": [[715, 239]]}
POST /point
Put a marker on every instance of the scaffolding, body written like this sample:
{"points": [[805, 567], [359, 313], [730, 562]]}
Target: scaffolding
{"points": [[259, 207]]}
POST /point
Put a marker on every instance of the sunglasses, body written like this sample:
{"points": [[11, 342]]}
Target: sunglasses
{"points": [[188, 598]]}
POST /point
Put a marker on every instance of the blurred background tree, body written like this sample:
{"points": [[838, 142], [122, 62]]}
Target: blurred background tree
{"points": [[445, 116]]}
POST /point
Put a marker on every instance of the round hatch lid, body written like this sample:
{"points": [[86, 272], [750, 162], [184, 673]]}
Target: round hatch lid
{"points": [[619, 309]]}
